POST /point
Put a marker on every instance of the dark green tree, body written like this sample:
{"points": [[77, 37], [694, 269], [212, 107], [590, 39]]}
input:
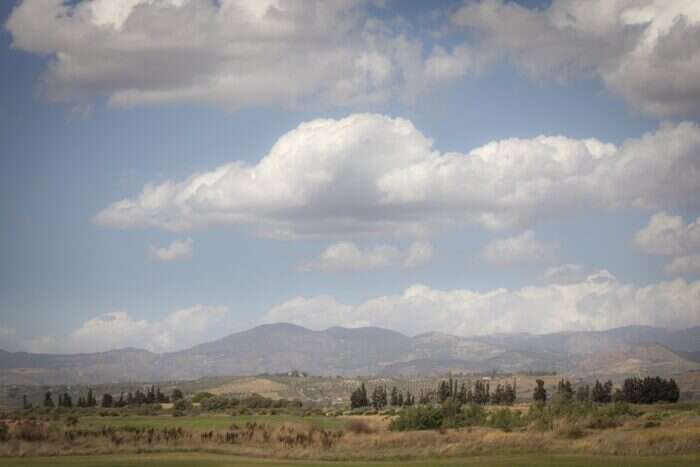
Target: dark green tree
{"points": [[379, 399], [564, 389], [602, 393], [539, 394], [107, 401], [48, 400], [409, 400], [498, 396], [394, 397], [443, 391], [359, 398], [461, 395], [509, 394], [583, 393], [482, 393], [91, 401], [67, 400]]}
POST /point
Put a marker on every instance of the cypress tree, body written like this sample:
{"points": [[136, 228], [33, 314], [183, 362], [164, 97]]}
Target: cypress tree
{"points": [[48, 400], [539, 394]]}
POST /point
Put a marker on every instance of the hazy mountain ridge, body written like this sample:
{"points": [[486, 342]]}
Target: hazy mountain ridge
{"points": [[276, 348]]}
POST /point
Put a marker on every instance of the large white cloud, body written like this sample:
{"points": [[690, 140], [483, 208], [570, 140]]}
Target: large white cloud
{"points": [[684, 265], [369, 173], [230, 53], [347, 256], [598, 302], [520, 249], [115, 330], [180, 329], [670, 236], [647, 51]]}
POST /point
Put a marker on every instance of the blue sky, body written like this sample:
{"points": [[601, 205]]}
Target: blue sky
{"points": [[92, 113]]}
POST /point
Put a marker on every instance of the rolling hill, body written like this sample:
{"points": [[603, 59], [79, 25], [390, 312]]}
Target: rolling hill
{"points": [[278, 348]]}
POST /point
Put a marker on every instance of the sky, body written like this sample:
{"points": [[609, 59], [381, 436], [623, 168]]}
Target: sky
{"points": [[172, 171]]}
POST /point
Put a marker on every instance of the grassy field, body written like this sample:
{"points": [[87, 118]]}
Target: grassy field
{"points": [[206, 421], [213, 460]]}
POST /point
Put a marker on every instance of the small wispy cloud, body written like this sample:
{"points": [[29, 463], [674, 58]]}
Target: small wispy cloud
{"points": [[178, 249]]}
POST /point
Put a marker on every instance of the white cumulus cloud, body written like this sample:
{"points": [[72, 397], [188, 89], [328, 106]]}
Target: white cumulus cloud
{"points": [[369, 173], [564, 274], [523, 248], [229, 53], [347, 256], [178, 249], [647, 51], [670, 236], [116, 330], [180, 329], [683, 265], [598, 302]]}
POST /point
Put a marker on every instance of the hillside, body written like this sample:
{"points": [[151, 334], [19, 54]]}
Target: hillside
{"points": [[278, 348]]}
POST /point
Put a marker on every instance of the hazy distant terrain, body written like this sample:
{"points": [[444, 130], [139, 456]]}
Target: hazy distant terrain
{"points": [[276, 348]]}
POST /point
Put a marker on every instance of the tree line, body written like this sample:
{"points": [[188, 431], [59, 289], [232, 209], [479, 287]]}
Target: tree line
{"points": [[634, 390], [446, 390], [151, 395]]}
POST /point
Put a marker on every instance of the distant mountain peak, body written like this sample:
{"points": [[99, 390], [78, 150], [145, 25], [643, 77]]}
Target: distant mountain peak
{"points": [[280, 347]]}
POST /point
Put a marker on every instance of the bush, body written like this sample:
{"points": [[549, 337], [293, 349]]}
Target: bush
{"points": [[418, 418], [182, 405], [570, 432], [215, 403], [4, 432], [31, 430], [358, 426], [505, 419], [472, 415], [200, 396]]}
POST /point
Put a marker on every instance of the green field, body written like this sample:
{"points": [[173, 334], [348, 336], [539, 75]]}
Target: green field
{"points": [[212, 460], [206, 422]]}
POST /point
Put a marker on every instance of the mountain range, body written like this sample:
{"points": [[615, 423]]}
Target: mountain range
{"points": [[281, 347]]}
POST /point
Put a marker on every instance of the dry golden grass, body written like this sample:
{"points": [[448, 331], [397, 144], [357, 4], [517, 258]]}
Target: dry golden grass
{"points": [[655, 433], [250, 385]]}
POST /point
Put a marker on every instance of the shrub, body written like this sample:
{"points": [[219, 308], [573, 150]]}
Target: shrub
{"points": [[471, 415], [568, 431], [418, 418], [200, 396], [31, 430], [182, 405], [358, 426], [505, 419], [4, 432]]}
